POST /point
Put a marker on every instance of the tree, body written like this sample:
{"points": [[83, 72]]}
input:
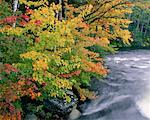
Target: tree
{"points": [[140, 25], [57, 58]]}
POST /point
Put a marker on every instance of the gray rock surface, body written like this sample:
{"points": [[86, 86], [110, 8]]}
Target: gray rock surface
{"points": [[30, 117]]}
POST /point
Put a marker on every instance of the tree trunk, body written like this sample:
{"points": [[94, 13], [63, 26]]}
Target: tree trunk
{"points": [[138, 25], [60, 12], [129, 16], [142, 26], [146, 24], [145, 33], [15, 6]]}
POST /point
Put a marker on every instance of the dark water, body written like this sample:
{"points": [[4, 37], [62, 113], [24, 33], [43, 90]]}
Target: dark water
{"points": [[125, 94]]}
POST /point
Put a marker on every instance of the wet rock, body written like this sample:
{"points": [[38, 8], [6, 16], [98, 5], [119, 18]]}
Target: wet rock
{"points": [[74, 114], [30, 117], [60, 106]]}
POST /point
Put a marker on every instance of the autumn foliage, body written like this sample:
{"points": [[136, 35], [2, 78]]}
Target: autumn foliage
{"points": [[57, 58]]}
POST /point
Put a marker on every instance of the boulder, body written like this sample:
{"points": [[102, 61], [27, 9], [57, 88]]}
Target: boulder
{"points": [[60, 106]]}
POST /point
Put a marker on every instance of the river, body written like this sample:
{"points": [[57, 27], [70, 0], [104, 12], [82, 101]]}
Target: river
{"points": [[125, 93]]}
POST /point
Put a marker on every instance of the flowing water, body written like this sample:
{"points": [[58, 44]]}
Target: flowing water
{"points": [[125, 94]]}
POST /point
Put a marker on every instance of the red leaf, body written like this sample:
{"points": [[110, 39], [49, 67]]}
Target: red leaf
{"points": [[9, 68], [77, 73], [29, 11], [37, 39], [43, 84], [18, 115], [29, 82], [11, 108], [38, 22], [7, 65], [25, 17], [23, 23], [10, 19]]}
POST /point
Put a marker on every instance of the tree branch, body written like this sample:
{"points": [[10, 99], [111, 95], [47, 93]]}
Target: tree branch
{"points": [[99, 17], [96, 10]]}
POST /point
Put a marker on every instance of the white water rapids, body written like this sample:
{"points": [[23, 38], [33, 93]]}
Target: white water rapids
{"points": [[125, 93], [140, 62]]}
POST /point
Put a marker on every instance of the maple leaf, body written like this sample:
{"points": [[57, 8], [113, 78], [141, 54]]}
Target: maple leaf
{"points": [[10, 19], [25, 17]]}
